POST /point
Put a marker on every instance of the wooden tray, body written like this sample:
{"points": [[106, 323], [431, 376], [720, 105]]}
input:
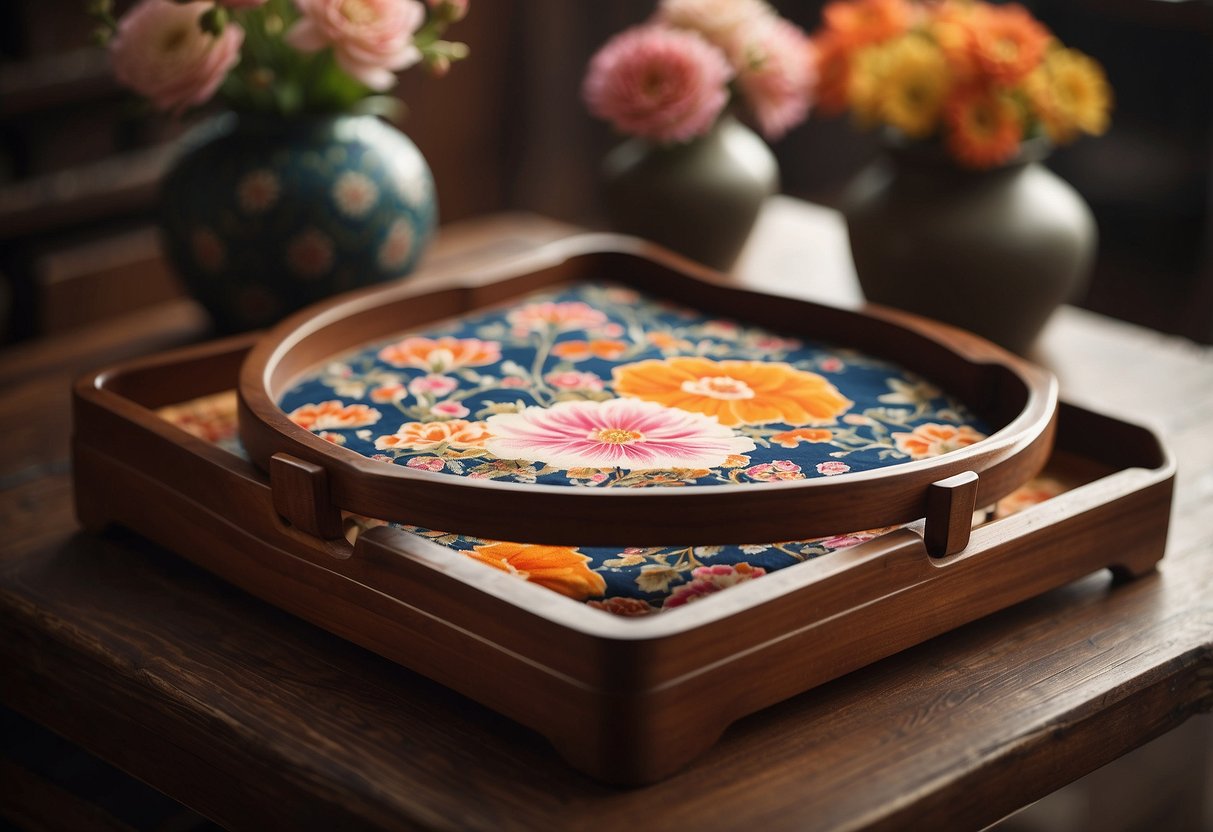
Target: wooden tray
{"points": [[625, 700], [315, 479]]}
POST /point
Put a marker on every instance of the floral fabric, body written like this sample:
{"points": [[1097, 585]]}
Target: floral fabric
{"points": [[597, 386]]}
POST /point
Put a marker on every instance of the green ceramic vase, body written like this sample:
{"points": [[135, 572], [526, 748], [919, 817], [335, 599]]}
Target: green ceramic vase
{"points": [[994, 252], [700, 199]]}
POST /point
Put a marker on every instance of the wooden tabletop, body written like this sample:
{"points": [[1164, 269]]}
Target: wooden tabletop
{"points": [[258, 720]]}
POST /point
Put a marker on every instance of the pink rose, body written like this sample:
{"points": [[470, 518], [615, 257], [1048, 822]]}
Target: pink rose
{"points": [[778, 84], [161, 52], [663, 84], [720, 21], [371, 39]]}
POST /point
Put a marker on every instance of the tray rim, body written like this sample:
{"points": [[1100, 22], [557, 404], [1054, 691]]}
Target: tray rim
{"points": [[356, 483]]}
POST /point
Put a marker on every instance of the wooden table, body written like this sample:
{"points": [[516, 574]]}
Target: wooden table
{"points": [[258, 720]]}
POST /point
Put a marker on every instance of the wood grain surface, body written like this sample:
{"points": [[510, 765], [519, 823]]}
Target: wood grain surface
{"points": [[258, 720]]}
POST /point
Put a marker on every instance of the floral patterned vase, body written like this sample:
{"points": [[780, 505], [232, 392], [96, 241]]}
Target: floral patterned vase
{"points": [[994, 252], [263, 215], [700, 199]]}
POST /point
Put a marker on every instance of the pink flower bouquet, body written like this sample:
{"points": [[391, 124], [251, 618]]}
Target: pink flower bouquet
{"points": [[670, 78], [283, 56]]}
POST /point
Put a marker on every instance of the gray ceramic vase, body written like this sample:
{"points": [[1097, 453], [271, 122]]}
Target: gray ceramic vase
{"points": [[994, 252], [700, 199]]}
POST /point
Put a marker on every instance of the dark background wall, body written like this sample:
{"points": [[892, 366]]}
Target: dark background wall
{"points": [[506, 130]]}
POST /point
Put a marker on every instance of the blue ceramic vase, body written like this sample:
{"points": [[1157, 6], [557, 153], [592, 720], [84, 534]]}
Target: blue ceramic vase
{"points": [[263, 215]]}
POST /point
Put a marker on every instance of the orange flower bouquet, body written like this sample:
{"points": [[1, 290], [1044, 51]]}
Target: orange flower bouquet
{"points": [[981, 78]]}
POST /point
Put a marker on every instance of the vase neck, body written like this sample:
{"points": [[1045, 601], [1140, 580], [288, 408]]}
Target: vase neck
{"points": [[931, 160]]}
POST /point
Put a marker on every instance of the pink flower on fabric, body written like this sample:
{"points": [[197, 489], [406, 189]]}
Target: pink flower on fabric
{"points": [[617, 433], [573, 380], [706, 580], [450, 410], [432, 385], [780, 469], [846, 541], [160, 52], [832, 468], [565, 316], [371, 39], [664, 84], [426, 463], [778, 83]]}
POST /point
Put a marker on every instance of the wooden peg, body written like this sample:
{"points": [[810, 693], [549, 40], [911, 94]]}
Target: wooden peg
{"points": [[950, 505], [301, 496]]}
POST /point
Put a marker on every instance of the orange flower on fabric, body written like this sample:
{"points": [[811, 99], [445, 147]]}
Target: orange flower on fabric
{"points": [[792, 438], [333, 415], [985, 127], [441, 354], [735, 392], [603, 348], [560, 568], [456, 434], [932, 440]]}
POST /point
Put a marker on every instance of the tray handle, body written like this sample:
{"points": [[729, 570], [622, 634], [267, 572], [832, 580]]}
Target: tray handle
{"points": [[950, 506], [301, 495]]}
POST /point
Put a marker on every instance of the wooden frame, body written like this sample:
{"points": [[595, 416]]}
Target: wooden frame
{"points": [[1017, 397], [626, 700]]}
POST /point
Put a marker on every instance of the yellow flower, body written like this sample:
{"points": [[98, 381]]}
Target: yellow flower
{"points": [[916, 82], [559, 568], [1070, 93], [865, 85], [735, 392]]}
